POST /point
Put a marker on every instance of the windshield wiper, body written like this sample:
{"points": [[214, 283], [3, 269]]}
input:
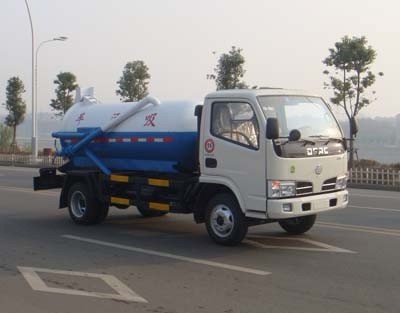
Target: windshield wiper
{"points": [[304, 141], [327, 138], [307, 142]]}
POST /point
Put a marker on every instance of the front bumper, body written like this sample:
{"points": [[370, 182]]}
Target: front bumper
{"points": [[307, 205]]}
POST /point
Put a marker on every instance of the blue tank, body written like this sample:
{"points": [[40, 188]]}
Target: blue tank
{"points": [[152, 136]]}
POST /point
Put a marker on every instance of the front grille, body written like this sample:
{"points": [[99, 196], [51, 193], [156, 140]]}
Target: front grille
{"points": [[303, 188], [329, 184]]}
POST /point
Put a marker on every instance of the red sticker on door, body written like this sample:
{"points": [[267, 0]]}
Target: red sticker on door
{"points": [[209, 145]]}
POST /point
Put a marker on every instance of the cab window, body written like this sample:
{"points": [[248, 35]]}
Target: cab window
{"points": [[235, 122]]}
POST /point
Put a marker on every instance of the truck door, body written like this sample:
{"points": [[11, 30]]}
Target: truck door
{"points": [[233, 149]]}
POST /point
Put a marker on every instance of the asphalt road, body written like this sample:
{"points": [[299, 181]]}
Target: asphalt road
{"points": [[349, 261]]}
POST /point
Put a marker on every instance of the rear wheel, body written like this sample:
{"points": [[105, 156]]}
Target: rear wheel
{"points": [[298, 225], [225, 221], [145, 212], [83, 207]]}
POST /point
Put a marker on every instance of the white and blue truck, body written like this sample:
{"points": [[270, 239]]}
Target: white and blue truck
{"points": [[242, 158]]}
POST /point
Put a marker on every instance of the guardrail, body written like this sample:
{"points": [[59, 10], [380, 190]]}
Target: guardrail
{"points": [[375, 176], [28, 160]]}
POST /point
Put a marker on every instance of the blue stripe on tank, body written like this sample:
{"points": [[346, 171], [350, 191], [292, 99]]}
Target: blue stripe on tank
{"points": [[147, 156]]}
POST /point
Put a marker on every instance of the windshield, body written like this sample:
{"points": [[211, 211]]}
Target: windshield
{"points": [[310, 115]]}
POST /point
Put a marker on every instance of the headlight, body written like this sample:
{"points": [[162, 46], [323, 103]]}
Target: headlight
{"points": [[341, 182], [281, 189]]}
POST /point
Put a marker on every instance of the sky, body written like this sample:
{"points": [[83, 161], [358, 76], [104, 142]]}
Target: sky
{"points": [[283, 42]]}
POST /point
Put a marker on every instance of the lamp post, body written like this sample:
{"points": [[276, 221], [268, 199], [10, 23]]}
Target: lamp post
{"points": [[61, 38], [34, 138], [34, 141]]}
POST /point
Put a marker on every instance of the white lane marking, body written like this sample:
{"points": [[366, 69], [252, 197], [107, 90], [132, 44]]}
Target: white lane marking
{"points": [[365, 229], [373, 196], [124, 293], [27, 190], [323, 247], [371, 208], [171, 256]]}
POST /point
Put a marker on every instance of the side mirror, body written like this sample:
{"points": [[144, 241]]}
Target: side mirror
{"points": [[272, 128], [353, 126]]}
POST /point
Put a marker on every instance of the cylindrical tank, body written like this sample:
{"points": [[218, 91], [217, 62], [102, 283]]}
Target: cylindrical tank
{"points": [[160, 137]]}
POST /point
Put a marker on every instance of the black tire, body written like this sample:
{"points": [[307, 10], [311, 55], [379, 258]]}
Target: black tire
{"points": [[225, 221], [83, 207], [145, 212], [298, 225]]}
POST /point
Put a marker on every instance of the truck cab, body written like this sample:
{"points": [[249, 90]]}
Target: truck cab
{"points": [[280, 152]]}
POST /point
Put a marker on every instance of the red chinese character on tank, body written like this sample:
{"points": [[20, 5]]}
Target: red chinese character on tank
{"points": [[149, 120], [80, 118]]}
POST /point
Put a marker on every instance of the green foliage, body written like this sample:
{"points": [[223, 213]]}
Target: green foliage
{"points": [[229, 70], [365, 163], [66, 84], [350, 60], [15, 105], [5, 137], [133, 84]]}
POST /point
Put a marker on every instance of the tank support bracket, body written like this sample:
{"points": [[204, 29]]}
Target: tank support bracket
{"points": [[97, 161]]}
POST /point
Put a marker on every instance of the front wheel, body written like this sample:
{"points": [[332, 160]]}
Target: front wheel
{"points": [[83, 207], [225, 221], [298, 225]]}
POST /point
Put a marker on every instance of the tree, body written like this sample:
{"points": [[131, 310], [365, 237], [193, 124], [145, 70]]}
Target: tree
{"points": [[229, 70], [5, 137], [15, 106], [66, 84], [133, 84], [351, 59]]}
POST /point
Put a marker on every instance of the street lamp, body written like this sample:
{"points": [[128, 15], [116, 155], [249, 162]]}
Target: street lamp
{"points": [[34, 142], [61, 38], [34, 139]]}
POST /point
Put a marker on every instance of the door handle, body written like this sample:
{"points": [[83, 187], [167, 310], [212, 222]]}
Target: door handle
{"points": [[211, 162]]}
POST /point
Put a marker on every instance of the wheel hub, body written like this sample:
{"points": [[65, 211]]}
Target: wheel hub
{"points": [[222, 220], [78, 204]]}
